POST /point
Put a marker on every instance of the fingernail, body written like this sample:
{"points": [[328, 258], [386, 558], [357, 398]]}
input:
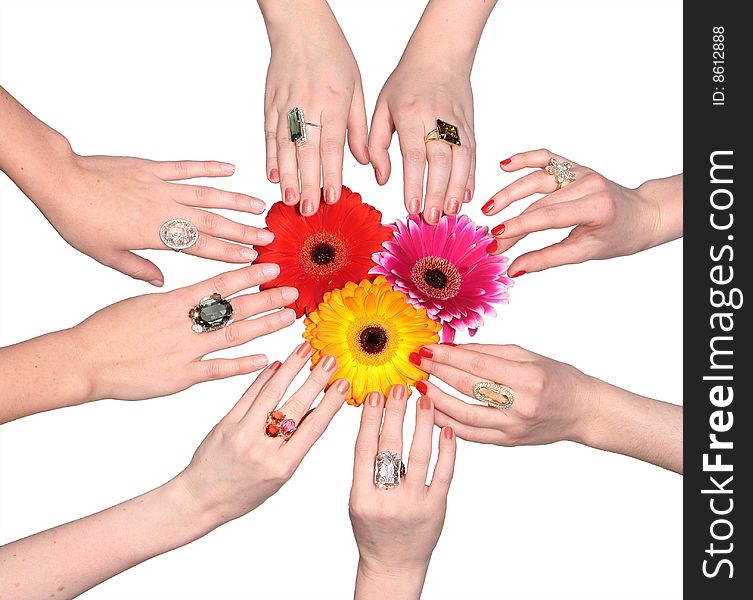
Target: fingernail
{"points": [[289, 294], [426, 353], [449, 344], [329, 195], [329, 363], [487, 208], [157, 282], [265, 236], [499, 229], [448, 433], [249, 254], [287, 316], [270, 270], [507, 161], [518, 274], [414, 205], [307, 207], [258, 205], [260, 361], [342, 386], [303, 350], [290, 196], [274, 175], [467, 195], [492, 248], [422, 387], [374, 399], [453, 205], [434, 215], [399, 392], [424, 402], [275, 365], [415, 358], [227, 168]]}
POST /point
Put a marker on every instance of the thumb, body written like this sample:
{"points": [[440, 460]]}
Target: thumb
{"points": [[137, 267]]}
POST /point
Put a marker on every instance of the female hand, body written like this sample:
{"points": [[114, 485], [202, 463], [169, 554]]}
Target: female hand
{"points": [[316, 72], [608, 220], [397, 529], [553, 401]]}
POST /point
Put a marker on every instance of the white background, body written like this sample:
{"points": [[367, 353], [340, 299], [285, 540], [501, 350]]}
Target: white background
{"points": [[599, 82]]}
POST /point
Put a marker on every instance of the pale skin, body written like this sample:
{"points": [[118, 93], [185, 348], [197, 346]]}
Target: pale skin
{"points": [[553, 402], [234, 470], [109, 206], [102, 357], [397, 529], [607, 219]]}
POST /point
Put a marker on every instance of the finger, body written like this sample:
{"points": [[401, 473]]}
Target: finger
{"points": [[534, 159], [226, 229], [380, 138], [367, 442], [556, 216], [316, 423], [439, 156], [445, 467], [250, 305], [298, 404], [567, 252], [413, 149], [137, 267], [241, 407], [287, 162], [188, 169], [420, 449], [538, 182], [461, 168], [331, 149], [440, 358], [222, 368], [232, 282], [470, 188], [270, 142], [357, 128], [241, 332], [391, 438], [472, 415], [210, 247], [208, 197], [507, 351], [479, 435], [310, 168]]}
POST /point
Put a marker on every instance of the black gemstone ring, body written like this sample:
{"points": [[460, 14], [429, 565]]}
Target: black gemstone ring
{"points": [[213, 312]]}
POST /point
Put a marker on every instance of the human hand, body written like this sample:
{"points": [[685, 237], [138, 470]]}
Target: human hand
{"points": [[397, 529], [421, 90], [237, 467], [144, 347], [316, 72], [608, 219]]}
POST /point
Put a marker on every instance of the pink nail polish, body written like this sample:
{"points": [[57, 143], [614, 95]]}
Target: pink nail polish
{"points": [[414, 206], [329, 363], [467, 196], [329, 195], [448, 433], [424, 403], [434, 216], [374, 399], [274, 175], [303, 350], [399, 392], [275, 365], [307, 208], [290, 196], [453, 206], [342, 386]]}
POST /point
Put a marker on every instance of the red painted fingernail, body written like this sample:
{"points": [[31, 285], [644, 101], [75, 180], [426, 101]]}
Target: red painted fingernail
{"points": [[487, 208], [507, 161], [303, 350], [343, 386], [492, 248], [274, 176], [329, 362], [449, 344], [422, 387], [467, 195], [499, 229], [399, 392], [424, 403], [448, 433], [415, 358], [290, 196], [518, 274], [426, 353], [374, 398], [275, 365]]}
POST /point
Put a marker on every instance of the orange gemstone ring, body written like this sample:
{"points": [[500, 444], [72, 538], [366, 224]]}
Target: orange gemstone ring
{"points": [[279, 426]]}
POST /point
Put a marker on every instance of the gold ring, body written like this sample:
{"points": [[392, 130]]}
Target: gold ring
{"points": [[493, 394], [561, 171], [445, 132]]}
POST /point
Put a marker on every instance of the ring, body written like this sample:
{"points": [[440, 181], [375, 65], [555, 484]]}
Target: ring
{"points": [[560, 171], [298, 126], [389, 470], [179, 234], [500, 398], [445, 132], [213, 312], [279, 426]]}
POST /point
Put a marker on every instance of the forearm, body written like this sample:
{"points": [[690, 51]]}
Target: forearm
{"points": [[67, 560], [47, 372], [451, 29], [666, 197], [374, 584], [280, 17], [633, 425]]}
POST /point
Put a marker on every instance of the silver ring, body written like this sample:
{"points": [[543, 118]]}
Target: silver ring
{"points": [[561, 171], [179, 234], [389, 470], [213, 312], [298, 126], [500, 397]]}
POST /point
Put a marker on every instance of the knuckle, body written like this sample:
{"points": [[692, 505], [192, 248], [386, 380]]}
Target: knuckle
{"points": [[181, 166], [220, 283], [478, 363], [595, 181], [331, 146], [535, 378], [212, 370], [233, 334], [363, 450], [202, 194], [439, 156], [420, 458], [414, 156], [209, 221], [281, 471]]}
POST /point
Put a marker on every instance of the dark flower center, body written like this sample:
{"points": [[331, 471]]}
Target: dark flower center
{"points": [[435, 278], [373, 339], [323, 253]]}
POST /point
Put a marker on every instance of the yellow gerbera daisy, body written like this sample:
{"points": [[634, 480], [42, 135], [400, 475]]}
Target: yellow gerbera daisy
{"points": [[371, 329]]}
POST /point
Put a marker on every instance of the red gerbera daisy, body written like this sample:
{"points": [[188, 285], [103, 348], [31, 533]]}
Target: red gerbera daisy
{"points": [[323, 252]]}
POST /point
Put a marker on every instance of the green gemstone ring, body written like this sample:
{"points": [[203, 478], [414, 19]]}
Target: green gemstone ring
{"points": [[213, 312], [298, 126]]}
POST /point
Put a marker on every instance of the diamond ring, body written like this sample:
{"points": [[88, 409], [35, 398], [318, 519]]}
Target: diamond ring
{"points": [[298, 126], [213, 312], [561, 171], [493, 394], [445, 132], [179, 234], [389, 470]]}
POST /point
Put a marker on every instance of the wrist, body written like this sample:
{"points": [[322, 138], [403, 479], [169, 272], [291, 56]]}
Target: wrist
{"points": [[193, 517], [662, 201], [280, 17], [377, 580]]}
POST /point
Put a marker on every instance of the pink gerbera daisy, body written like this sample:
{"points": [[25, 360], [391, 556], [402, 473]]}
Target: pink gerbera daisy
{"points": [[445, 269]]}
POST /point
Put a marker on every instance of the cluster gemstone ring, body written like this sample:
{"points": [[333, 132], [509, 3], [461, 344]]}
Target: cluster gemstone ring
{"points": [[561, 171], [278, 425], [179, 234]]}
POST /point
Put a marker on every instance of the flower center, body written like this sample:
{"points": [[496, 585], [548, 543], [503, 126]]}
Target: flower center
{"points": [[436, 277], [323, 253], [373, 339]]}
